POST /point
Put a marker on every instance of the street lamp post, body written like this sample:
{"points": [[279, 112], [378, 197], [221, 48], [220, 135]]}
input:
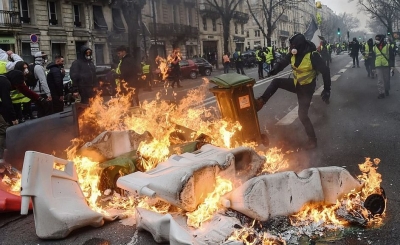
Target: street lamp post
{"points": [[154, 27]]}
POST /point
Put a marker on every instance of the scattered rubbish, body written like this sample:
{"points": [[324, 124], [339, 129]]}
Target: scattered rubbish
{"points": [[58, 202], [185, 180]]}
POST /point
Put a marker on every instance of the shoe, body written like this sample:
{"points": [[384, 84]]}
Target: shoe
{"points": [[386, 92], [381, 96], [311, 144], [259, 103], [354, 67]]}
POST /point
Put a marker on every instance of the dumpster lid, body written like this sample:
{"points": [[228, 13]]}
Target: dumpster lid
{"points": [[231, 80]]}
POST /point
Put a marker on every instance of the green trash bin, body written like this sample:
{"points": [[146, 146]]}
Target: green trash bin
{"points": [[234, 94]]}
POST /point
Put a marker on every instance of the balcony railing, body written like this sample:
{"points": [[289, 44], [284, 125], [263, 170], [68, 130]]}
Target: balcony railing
{"points": [[208, 11], [241, 17], [10, 19], [283, 33], [165, 30]]}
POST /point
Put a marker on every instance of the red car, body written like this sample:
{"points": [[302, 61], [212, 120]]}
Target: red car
{"points": [[188, 69]]}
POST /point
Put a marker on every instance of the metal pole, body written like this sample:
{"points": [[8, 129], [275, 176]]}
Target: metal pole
{"points": [[155, 27], [144, 37]]}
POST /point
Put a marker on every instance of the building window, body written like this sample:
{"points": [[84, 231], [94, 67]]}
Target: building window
{"points": [[242, 29], [175, 14], [26, 53], [204, 24], [24, 10], [57, 49], [247, 34], [118, 24], [52, 8], [236, 28], [98, 17], [257, 33], [99, 52], [77, 15], [214, 24]]}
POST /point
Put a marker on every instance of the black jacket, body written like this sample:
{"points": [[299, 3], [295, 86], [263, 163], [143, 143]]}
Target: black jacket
{"points": [[129, 71], [317, 63], [55, 80], [83, 71], [355, 48], [6, 106]]}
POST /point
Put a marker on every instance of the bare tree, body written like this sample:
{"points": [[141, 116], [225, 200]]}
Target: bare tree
{"points": [[328, 27], [349, 21], [227, 9], [272, 11], [376, 26], [131, 9], [383, 10]]}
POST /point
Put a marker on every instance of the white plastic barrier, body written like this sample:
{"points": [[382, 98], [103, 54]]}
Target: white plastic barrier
{"points": [[173, 228], [58, 202], [185, 180], [287, 192]]}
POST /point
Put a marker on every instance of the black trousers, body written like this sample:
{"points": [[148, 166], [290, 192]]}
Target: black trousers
{"points": [[260, 69], [86, 93], [239, 67], [58, 106], [369, 66], [355, 58], [304, 97], [45, 108]]}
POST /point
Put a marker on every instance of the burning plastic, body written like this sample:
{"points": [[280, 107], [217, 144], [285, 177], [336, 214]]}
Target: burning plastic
{"points": [[185, 180]]}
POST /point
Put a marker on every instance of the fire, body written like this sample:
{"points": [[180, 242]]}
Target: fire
{"points": [[352, 203], [210, 205], [275, 161], [13, 184], [249, 236]]}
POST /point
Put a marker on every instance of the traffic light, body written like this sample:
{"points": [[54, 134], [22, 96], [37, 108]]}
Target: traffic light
{"points": [[338, 31], [388, 32]]}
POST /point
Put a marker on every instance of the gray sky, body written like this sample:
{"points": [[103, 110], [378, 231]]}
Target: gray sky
{"points": [[340, 6]]}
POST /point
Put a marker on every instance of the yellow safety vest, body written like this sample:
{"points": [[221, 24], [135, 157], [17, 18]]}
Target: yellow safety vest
{"points": [[3, 67], [380, 59], [304, 74], [146, 69], [18, 98], [258, 57], [270, 55], [118, 72], [366, 51]]}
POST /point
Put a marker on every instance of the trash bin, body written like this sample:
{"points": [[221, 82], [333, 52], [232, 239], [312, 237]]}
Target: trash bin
{"points": [[234, 94]]}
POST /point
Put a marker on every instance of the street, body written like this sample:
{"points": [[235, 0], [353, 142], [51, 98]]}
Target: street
{"points": [[353, 126]]}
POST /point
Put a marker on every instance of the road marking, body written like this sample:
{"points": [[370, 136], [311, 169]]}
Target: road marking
{"points": [[398, 69], [342, 70], [348, 66], [289, 118], [335, 78]]}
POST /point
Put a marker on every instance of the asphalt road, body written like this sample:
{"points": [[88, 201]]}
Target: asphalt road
{"points": [[353, 126]]}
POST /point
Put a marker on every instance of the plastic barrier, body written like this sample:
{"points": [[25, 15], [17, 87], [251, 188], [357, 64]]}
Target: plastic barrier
{"points": [[10, 202], [58, 202], [185, 180], [285, 193]]}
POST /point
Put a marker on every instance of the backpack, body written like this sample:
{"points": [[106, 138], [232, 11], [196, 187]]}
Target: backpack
{"points": [[3, 67], [31, 80]]}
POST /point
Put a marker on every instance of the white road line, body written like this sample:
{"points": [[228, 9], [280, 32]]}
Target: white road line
{"points": [[342, 70], [335, 78], [289, 118], [319, 91], [348, 66]]}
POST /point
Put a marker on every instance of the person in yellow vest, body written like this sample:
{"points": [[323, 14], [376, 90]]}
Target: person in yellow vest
{"points": [[146, 76], [369, 58], [384, 60], [260, 57], [306, 63]]}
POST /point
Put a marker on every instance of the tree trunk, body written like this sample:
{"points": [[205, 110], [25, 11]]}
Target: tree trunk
{"points": [[226, 33]]}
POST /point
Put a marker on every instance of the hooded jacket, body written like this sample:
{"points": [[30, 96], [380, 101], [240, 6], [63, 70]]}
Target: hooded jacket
{"points": [[129, 71], [40, 74], [10, 63], [55, 80], [83, 71]]}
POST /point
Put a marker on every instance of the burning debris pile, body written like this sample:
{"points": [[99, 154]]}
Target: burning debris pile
{"points": [[176, 163]]}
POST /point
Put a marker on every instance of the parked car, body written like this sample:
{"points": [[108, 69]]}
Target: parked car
{"points": [[205, 67], [188, 69]]}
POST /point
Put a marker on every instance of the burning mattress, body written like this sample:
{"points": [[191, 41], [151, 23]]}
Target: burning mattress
{"points": [[185, 180], [285, 193]]}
